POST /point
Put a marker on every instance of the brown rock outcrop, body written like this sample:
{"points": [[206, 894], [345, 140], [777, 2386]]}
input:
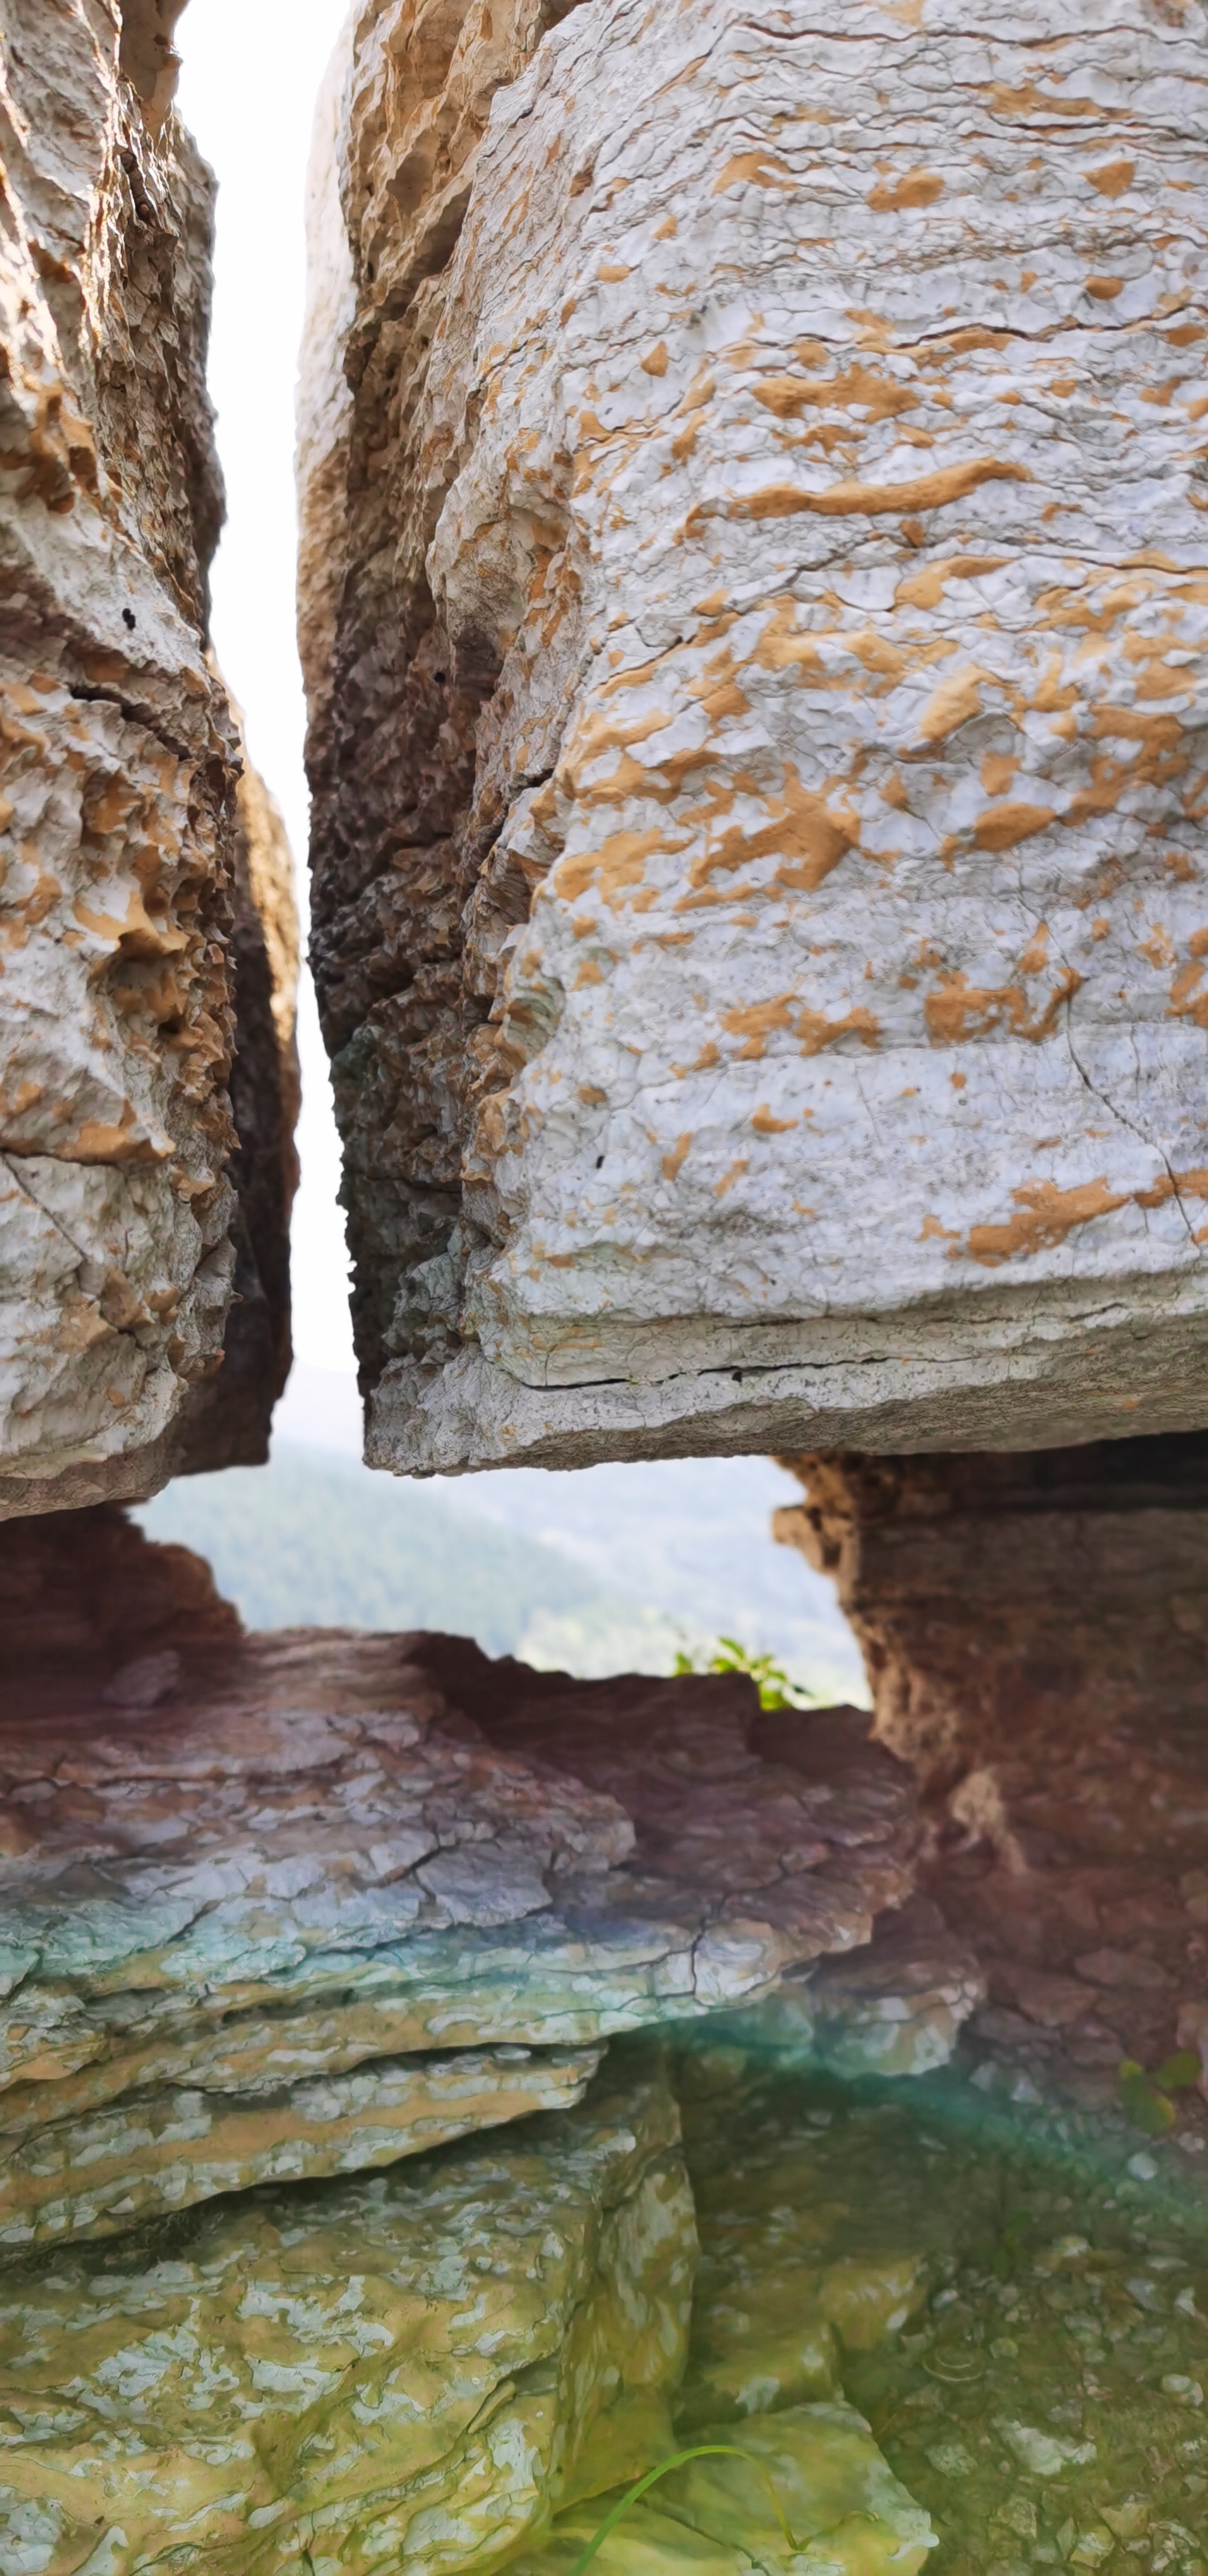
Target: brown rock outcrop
{"points": [[1016, 1600], [133, 966], [298, 1904]]}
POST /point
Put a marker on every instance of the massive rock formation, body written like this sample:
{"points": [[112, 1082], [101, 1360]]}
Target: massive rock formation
{"points": [[282, 1907], [143, 917], [286, 1924], [753, 602]]}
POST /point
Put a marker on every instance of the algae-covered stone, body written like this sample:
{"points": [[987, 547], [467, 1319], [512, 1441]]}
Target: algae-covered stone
{"points": [[163, 2150], [847, 2513], [409, 2370], [794, 2273]]}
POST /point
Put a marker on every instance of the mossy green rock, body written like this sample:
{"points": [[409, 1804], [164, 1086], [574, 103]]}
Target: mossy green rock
{"points": [[847, 2513], [410, 2370]]}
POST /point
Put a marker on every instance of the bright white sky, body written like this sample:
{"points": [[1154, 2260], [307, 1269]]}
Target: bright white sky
{"points": [[251, 73]]}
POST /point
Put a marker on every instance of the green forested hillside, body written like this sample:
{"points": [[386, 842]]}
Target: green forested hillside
{"points": [[610, 1570], [317, 1541]]}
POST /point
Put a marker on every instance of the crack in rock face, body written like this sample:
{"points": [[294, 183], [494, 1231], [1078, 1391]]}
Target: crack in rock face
{"points": [[147, 936], [752, 601]]}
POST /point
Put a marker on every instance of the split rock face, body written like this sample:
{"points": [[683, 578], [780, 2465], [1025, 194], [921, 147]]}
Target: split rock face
{"points": [[753, 598], [146, 923]]}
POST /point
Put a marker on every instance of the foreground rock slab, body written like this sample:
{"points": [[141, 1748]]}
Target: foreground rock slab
{"points": [[146, 917], [289, 1905], [757, 677], [412, 2370], [847, 2513]]}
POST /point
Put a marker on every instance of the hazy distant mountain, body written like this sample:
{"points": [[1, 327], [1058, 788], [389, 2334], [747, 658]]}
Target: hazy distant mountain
{"points": [[605, 1570]]}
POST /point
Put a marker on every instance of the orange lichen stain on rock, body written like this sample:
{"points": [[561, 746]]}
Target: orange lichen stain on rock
{"points": [[136, 934], [1186, 1001], [816, 1032], [755, 1022], [99, 1140], [1104, 290], [1112, 178], [803, 832], [931, 1231], [1158, 947], [925, 589], [855, 389], [766, 1125], [674, 1161], [1181, 1185], [869, 500], [997, 771], [1002, 827], [612, 273], [758, 169], [1028, 99], [958, 1010], [1036, 955], [615, 864], [591, 1095], [735, 1173], [1046, 1216], [917, 188], [589, 973], [655, 361], [956, 700]]}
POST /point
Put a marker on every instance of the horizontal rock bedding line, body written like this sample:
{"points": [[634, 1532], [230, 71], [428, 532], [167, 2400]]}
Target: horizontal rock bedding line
{"points": [[337, 1896], [161, 2150]]}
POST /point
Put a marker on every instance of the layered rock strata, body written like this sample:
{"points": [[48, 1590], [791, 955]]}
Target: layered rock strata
{"points": [[413, 2369], [133, 946], [1007, 1602], [307, 1903], [754, 612]]}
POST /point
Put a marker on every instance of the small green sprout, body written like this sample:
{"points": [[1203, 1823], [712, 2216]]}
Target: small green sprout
{"points": [[1146, 2098], [774, 1685], [679, 2460]]}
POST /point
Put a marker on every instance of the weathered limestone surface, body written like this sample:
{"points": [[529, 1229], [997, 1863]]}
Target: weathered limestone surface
{"points": [[296, 1904], [132, 959], [755, 614], [1003, 1600], [411, 2370]]}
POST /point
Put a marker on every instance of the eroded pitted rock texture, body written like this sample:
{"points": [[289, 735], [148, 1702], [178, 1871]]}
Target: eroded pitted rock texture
{"points": [[121, 896], [308, 1903], [1016, 1601], [754, 604], [410, 2371]]}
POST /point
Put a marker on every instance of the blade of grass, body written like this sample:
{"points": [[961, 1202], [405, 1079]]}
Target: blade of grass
{"points": [[702, 2451]]}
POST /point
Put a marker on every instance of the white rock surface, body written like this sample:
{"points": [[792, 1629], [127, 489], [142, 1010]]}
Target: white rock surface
{"points": [[759, 757], [117, 825]]}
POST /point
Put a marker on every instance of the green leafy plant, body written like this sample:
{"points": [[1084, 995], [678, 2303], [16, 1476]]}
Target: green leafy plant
{"points": [[679, 2460], [1146, 2098], [775, 1688]]}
